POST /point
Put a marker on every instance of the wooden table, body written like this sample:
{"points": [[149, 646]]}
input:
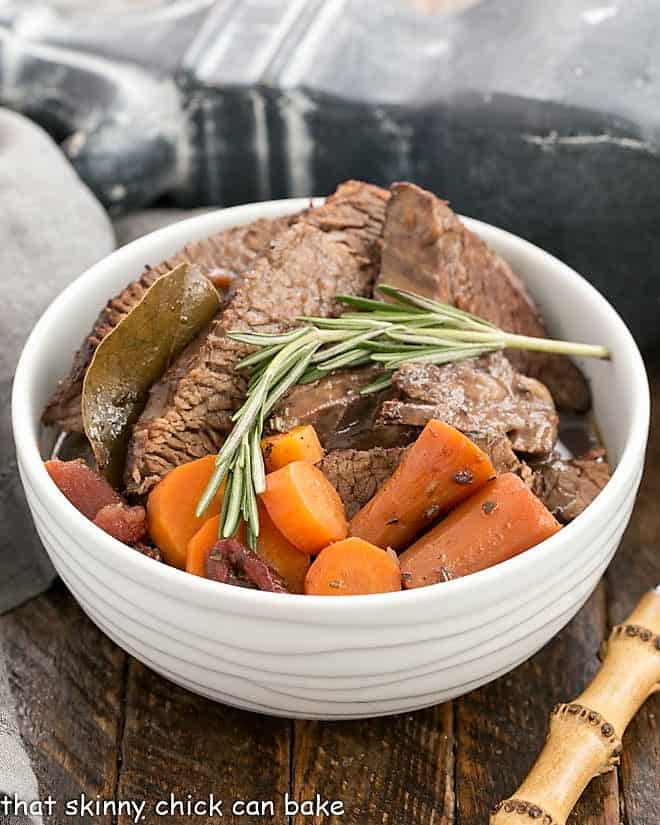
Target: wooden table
{"points": [[97, 721]]}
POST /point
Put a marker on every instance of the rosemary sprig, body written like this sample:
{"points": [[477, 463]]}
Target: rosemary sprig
{"points": [[407, 327]]}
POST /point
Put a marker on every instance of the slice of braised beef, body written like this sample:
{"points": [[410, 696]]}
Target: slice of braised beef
{"points": [[568, 486], [329, 250], [485, 396], [357, 474], [427, 249], [223, 256], [498, 448], [353, 216], [231, 562], [342, 417], [332, 405], [189, 412]]}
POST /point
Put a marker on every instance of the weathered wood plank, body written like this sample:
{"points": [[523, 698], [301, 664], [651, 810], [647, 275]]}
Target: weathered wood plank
{"points": [[396, 769], [67, 679], [636, 568], [501, 727], [177, 743]]}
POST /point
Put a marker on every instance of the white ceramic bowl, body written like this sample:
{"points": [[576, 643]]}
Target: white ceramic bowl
{"points": [[317, 657]]}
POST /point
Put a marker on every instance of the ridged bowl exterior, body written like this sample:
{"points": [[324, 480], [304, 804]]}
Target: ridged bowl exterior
{"points": [[315, 657]]}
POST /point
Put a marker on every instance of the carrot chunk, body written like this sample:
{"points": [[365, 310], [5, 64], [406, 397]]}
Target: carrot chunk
{"points": [[438, 471], [171, 505], [304, 506], [501, 520], [353, 567], [272, 547], [280, 554], [299, 444], [199, 545]]}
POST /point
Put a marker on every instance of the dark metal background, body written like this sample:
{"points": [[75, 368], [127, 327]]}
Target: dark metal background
{"points": [[538, 116]]}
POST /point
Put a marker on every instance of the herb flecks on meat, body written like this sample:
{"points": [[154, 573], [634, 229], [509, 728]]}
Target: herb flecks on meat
{"points": [[485, 398]]}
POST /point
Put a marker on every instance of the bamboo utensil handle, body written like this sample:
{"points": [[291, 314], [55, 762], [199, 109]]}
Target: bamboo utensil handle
{"points": [[584, 736]]}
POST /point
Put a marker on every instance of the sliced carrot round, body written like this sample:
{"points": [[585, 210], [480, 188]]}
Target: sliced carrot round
{"points": [[171, 506], [277, 551], [304, 506], [299, 444], [353, 567], [199, 545]]}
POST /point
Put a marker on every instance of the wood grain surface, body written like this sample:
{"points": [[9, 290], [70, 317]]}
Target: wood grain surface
{"points": [[397, 769], [98, 722], [67, 680], [177, 743], [635, 568]]}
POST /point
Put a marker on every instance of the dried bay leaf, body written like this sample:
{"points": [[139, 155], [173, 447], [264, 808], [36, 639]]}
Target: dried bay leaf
{"points": [[135, 354]]}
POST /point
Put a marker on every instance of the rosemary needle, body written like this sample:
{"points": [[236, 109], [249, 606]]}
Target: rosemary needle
{"points": [[406, 327]]}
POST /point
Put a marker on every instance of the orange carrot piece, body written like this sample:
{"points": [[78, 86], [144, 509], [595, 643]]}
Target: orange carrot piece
{"points": [[274, 549], [353, 567], [503, 519], [200, 544], [171, 505], [299, 444], [304, 506], [438, 471], [278, 552]]}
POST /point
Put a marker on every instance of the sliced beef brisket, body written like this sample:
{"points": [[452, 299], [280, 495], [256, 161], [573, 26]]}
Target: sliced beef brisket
{"points": [[567, 487], [354, 215], [189, 412], [357, 474], [333, 405], [427, 249], [341, 416], [498, 448], [222, 256], [480, 396]]}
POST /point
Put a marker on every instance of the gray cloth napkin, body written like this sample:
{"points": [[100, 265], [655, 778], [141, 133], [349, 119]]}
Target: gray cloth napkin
{"points": [[51, 229], [17, 780]]}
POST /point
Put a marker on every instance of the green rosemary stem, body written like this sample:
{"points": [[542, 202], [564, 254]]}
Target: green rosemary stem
{"points": [[227, 461], [525, 342], [500, 340], [408, 327]]}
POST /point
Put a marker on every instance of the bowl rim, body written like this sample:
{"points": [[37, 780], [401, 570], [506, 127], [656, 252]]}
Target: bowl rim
{"points": [[196, 590]]}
